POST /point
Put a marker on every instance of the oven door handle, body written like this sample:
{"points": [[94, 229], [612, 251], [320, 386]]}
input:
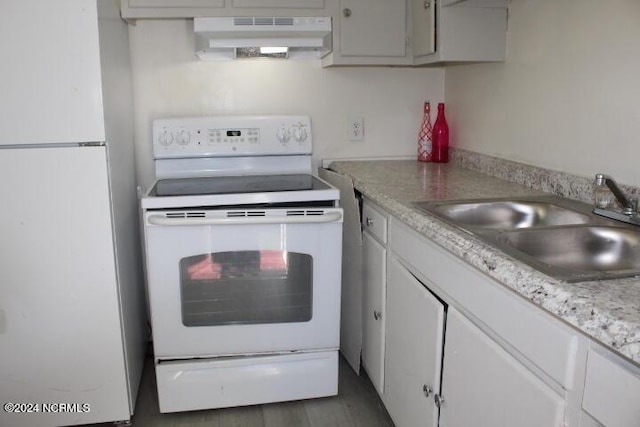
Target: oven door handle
{"points": [[310, 219]]}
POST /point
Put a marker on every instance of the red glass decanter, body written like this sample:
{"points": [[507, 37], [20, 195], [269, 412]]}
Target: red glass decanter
{"points": [[440, 137]]}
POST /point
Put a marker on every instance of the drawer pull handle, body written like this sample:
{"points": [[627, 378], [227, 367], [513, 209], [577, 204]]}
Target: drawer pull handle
{"points": [[369, 222], [377, 314], [346, 12]]}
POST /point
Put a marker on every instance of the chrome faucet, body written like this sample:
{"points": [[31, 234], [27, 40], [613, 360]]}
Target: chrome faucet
{"points": [[629, 206]]}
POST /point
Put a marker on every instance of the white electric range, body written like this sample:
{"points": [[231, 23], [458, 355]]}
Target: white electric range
{"points": [[243, 251]]}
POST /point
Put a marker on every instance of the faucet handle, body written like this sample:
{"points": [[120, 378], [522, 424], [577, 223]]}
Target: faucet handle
{"points": [[633, 206]]}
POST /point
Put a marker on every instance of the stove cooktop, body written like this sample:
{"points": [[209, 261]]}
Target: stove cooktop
{"points": [[237, 185], [238, 190]]}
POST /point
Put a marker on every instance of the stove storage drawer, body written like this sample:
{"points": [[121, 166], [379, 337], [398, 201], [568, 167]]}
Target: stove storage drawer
{"points": [[187, 385]]}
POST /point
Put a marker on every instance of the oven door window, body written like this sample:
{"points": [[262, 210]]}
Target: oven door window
{"points": [[246, 287]]}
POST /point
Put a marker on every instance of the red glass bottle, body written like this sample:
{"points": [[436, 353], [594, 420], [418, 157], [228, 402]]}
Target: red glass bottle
{"points": [[440, 137]]}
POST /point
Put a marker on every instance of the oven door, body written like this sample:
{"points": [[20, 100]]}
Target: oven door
{"points": [[229, 282]]}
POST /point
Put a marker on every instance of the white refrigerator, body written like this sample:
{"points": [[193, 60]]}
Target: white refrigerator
{"points": [[72, 317]]}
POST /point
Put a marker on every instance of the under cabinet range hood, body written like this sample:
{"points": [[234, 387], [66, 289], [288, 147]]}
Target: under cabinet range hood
{"points": [[227, 38]]}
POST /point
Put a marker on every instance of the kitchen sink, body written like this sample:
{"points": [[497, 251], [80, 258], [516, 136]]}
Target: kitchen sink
{"points": [[556, 236], [576, 252], [505, 214]]}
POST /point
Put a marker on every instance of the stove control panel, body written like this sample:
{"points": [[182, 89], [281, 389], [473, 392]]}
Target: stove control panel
{"points": [[231, 136]]}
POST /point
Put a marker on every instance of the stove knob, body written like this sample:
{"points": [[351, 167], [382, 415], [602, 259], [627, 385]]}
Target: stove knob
{"points": [[283, 135], [165, 138], [184, 138], [300, 134]]}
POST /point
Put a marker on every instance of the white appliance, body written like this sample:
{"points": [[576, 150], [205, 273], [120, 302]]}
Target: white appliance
{"points": [[224, 38], [243, 249], [72, 318]]}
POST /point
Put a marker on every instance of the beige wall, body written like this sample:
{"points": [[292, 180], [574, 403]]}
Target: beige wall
{"points": [[169, 81], [568, 96]]}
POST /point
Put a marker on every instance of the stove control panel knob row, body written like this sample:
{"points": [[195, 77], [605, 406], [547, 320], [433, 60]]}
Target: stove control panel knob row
{"points": [[298, 132], [231, 136], [167, 138]]}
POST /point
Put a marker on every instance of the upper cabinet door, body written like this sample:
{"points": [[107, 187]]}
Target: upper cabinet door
{"points": [[424, 26], [373, 28], [459, 31], [312, 4]]}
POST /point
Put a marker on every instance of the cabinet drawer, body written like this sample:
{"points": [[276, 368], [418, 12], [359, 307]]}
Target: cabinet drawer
{"points": [[611, 391], [374, 221]]}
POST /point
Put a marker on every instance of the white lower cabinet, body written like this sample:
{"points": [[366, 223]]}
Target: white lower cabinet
{"points": [[448, 346], [611, 392], [373, 309], [374, 278], [446, 367], [413, 356], [483, 385]]}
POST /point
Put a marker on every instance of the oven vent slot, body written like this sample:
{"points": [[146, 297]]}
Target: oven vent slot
{"points": [[175, 215], [242, 214], [305, 212], [185, 215]]}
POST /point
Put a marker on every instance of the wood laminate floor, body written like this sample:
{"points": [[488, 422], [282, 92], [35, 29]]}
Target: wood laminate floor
{"points": [[357, 404]]}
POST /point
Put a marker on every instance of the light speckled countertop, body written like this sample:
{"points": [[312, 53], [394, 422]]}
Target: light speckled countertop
{"points": [[606, 311]]}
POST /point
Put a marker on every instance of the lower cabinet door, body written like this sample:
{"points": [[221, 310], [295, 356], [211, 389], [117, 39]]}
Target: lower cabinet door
{"points": [[413, 351], [373, 310], [483, 385]]}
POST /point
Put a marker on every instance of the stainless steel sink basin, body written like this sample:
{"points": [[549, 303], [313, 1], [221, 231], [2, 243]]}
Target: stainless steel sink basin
{"points": [[556, 236], [505, 214], [578, 252]]}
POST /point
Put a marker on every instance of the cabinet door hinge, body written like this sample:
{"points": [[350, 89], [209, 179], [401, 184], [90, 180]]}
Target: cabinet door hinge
{"points": [[439, 400]]}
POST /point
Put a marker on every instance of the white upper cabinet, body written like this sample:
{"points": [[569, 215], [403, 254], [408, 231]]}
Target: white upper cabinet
{"points": [[459, 31], [424, 21], [370, 32], [132, 9]]}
